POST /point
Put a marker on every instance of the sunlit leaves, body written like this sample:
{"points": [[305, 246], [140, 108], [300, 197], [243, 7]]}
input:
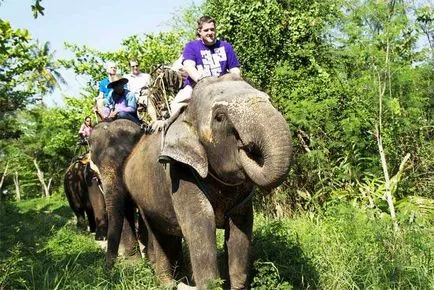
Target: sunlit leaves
{"points": [[149, 49]]}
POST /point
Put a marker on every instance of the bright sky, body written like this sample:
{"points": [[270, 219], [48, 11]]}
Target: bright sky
{"points": [[95, 23]]}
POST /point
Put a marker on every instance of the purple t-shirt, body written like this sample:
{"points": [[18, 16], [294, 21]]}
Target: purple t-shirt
{"points": [[215, 60]]}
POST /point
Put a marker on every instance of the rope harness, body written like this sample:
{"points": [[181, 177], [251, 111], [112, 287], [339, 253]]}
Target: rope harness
{"points": [[204, 188], [160, 93]]}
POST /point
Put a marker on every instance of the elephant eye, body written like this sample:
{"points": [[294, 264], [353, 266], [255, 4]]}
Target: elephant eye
{"points": [[219, 117]]}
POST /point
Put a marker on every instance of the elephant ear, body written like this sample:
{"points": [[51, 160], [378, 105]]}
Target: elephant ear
{"points": [[182, 144]]}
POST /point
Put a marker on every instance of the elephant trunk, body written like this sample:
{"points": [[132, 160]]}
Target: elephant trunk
{"points": [[266, 149]]}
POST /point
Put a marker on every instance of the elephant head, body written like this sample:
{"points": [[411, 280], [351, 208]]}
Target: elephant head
{"points": [[231, 131]]}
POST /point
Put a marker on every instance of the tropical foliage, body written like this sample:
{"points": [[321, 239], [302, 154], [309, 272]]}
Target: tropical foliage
{"points": [[353, 78], [325, 64], [355, 81]]}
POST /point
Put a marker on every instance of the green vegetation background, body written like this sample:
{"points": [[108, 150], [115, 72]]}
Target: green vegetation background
{"points": [[342, 72]]}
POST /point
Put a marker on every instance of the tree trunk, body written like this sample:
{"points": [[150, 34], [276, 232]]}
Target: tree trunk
{"points": [[382, 85], [40, 175], [4, 175], [17, 187], [49, 184], [388, 192]]}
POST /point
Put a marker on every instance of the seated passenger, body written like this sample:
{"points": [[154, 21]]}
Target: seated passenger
{"points": [[85, 130], [121, 103], [137, 79], [103, 90], [204, 57]]}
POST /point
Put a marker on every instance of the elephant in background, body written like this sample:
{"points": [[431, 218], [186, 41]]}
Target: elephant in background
{"points": [[82, 189], [229, 139]]}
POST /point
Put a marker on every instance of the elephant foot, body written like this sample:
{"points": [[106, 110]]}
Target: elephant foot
{"points": [[183, 286], [102, 245], [100, 235], [109, 262], [128, 252], [82, 226]]}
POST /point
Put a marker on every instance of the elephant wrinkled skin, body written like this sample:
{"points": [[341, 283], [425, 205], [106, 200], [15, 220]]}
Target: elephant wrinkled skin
{"points": [[228, 139]]}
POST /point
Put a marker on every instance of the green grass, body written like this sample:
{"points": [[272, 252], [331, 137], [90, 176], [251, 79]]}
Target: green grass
{"points": [[346, 248], [343, 248], [40, 248]]}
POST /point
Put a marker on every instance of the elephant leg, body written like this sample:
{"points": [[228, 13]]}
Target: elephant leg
{"points": [[238, 234], [129, 247], [172, 247], [196, 218], [167, 256], [201, 240], [98, 205], [81, 219], [163, 251], [115, 216], [101, 227], [91, 219]]}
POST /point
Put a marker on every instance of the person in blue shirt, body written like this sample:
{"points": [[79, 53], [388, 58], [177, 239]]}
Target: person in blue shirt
{"points": [[103, 89], [120, 103]]}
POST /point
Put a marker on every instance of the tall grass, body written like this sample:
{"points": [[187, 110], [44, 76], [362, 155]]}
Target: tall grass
{"points": [[342, 248], [40, 248], [347, 248]]}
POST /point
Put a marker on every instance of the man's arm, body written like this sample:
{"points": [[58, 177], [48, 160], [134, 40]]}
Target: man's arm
{"points": [[235, 70], [131, 103], [232, 59], [81, 131], [190, 67], [106, 112]]}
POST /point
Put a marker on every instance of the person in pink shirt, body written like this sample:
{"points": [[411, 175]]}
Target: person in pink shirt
{"points": [[85, 130]]}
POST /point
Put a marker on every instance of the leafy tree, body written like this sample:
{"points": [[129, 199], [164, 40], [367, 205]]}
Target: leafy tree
{"points": [[265, 33], [47, 75], [150, 50], [316, 59], [21, 64], [28, 71], [49, 136], [381, 46]]}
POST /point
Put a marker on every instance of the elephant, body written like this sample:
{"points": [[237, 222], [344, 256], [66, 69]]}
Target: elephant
{"points": [[110, 145], [228, 140], [82, 189]]}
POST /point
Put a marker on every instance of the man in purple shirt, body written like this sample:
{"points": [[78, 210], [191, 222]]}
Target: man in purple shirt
{"points": [[204, 57], [120, 103]]}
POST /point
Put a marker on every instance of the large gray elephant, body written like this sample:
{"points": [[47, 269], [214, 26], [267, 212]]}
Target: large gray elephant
{"points": [[229, 139], [82, 189]]}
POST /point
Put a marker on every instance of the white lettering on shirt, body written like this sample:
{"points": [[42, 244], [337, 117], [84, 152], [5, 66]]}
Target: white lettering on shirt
{"points": [[211, 61]]}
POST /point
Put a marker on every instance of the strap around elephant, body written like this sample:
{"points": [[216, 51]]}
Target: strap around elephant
{"points": [[206, 191], [240, 204]]}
